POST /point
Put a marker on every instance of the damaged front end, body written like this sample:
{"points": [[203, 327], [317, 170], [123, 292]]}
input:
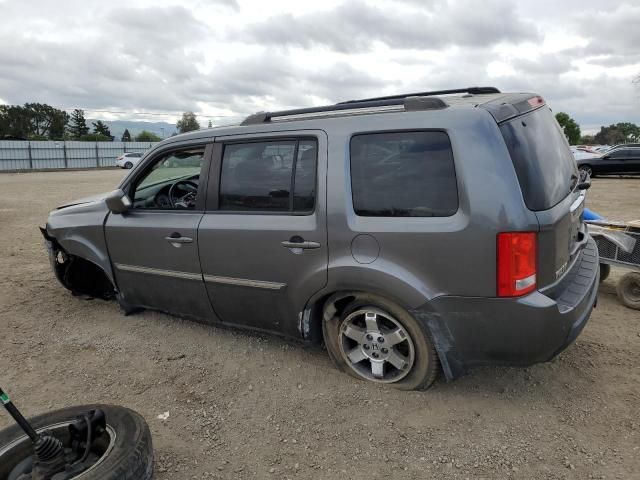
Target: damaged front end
{"points": [[77, 274]]}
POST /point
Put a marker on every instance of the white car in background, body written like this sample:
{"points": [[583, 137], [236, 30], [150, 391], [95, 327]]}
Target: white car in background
{"points": [[128, 160], [582, 154]]}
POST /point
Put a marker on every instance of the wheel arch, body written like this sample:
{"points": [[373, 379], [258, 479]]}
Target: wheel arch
{"points": [[65, 262], [323, 307]]}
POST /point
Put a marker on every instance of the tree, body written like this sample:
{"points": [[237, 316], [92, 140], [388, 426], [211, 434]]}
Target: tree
{"points": [[77, 125], [15, 122], [33, 120], [610, 135], [209, 124], [46, 121], [126, 136], [145, 136], [188, 123], [631, 131], [569, 126], [101, 128], [587, 140]]}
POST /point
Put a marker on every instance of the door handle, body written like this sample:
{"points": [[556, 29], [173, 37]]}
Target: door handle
{"points": [[301, 244], [176, 239]]}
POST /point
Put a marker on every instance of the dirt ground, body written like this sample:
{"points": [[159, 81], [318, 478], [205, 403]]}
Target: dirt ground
{"points": [[251, 406]]}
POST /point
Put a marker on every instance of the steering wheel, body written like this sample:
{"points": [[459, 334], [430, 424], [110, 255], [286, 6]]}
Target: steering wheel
{"points": [[187, 200]]}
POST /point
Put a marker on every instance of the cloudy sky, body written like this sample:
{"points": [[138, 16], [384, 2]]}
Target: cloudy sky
{"points": [[225, 59]]}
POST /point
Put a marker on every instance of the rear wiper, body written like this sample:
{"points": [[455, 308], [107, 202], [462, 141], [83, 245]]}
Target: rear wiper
{"points": [[585, 180], [573, 182]]}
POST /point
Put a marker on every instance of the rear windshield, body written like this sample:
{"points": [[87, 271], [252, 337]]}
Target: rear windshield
{"points": [[541, 156]]}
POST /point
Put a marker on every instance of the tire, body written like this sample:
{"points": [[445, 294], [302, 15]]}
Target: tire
{"points": [[128, 165], [421, 366], [628, 289], [588, 169], [605, 270], [130, 457]]}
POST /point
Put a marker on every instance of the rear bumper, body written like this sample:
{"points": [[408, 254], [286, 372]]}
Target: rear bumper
{"points": [[471, 331]]}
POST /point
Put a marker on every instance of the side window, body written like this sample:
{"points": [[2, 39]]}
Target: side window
{"points": [[273, 176], [403, 174], [171, 182], [618, 154]]}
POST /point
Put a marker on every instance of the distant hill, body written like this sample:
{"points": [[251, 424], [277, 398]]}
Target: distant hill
{"points": [[117, 127]]}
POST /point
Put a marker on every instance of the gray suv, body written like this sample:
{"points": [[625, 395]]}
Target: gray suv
{"points": [[408, 233]]}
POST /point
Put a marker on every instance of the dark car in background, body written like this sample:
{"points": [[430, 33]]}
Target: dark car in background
{"points": [[619, 160]]}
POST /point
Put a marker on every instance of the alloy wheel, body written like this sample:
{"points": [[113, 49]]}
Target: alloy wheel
{"points": [[376, 345]]}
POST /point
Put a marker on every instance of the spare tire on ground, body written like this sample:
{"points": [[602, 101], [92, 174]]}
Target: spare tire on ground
{"points": [[124, 451]]}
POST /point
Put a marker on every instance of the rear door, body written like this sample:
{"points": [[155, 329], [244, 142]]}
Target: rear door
{"points": [[263, 237], [548, 177]]}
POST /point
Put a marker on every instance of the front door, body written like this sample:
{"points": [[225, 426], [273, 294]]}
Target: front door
{"points": [[263, 238], [154, 245]]}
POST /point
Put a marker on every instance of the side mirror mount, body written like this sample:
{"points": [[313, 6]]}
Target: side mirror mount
{"points": [[606, 157], [117, 201]]}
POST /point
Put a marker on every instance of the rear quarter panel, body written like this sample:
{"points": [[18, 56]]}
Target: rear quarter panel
{"points": [[423, 258]]}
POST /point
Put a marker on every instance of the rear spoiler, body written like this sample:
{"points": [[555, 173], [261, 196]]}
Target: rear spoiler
{"points": [[513, 105]]}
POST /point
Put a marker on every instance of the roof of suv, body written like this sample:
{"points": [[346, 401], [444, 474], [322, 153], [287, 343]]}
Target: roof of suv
{"points": [[502, 106]]}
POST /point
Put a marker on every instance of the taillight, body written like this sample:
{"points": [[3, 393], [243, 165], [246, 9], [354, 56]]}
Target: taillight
{"points": [[516, 263]]}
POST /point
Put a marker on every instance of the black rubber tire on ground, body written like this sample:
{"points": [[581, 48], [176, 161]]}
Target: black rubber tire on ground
{"points": [[605, 270], [131, 457], [426, 365], [628, 289], [128, 165]]}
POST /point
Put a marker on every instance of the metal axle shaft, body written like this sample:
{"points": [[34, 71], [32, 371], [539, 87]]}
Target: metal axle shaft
{"points": [[17, 416]]}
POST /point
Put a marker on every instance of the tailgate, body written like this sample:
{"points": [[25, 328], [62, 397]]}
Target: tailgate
{"points": [[562, 235]]}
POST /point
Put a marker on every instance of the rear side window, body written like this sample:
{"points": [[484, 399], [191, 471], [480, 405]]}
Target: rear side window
{"points": [[274, 176], [542, 158], [403, 174]]}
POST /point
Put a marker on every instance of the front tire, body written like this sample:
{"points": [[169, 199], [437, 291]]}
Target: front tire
{"points": [[130, 452], [374, 339]]}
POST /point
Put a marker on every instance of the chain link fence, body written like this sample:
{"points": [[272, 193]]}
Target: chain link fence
{"points": [[42, 155]]}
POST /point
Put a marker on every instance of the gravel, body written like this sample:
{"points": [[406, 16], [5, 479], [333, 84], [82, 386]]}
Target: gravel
{"points": [[250, 406]]}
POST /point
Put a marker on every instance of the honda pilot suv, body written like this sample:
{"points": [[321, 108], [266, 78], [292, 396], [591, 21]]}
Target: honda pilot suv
{"points": [[409, 233]]}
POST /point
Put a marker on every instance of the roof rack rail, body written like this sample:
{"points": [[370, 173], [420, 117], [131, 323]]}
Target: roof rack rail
{"points": [[470, 90], [409, 101]]}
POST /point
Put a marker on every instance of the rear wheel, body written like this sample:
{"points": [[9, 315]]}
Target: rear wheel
{"points": [[629, 290], [373, 339], [128, 165]]}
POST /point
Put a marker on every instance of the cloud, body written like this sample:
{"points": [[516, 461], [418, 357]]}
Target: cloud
{"points": [[355, 26], [239, 57], [614, 31]]}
